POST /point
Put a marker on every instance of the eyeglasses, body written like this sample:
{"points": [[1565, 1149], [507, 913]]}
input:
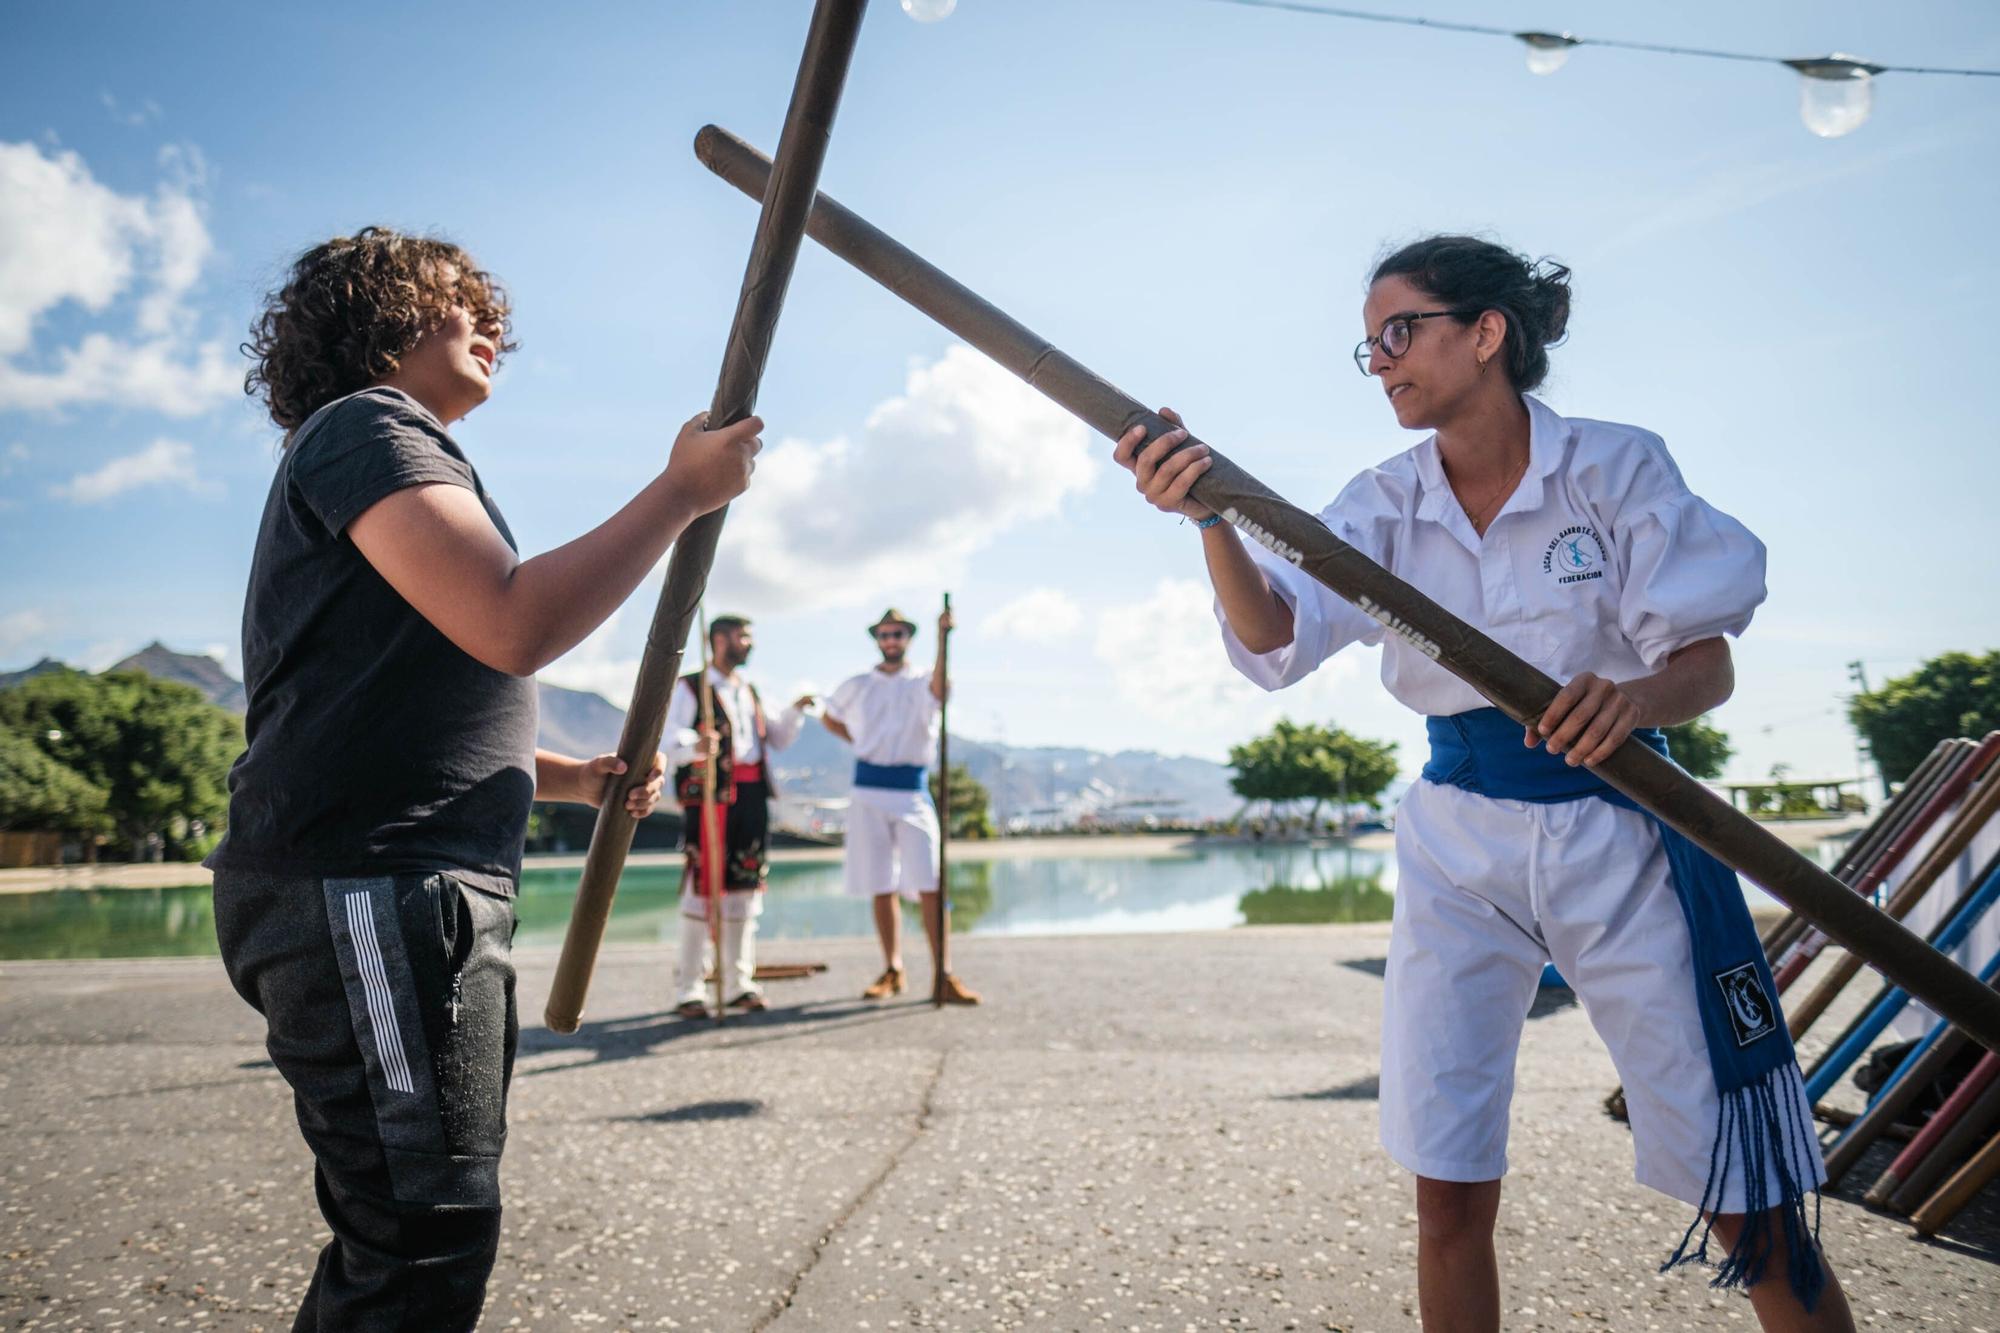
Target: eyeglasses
{"points": [[883, 634], [1396, 331]]}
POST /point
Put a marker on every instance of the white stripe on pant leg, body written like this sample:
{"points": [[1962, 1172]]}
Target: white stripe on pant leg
{"points": [[375, 984]]}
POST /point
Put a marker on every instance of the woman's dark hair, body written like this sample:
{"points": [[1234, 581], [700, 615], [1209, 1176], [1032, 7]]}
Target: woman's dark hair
{"points": [[1464, 272], [352, 308]]}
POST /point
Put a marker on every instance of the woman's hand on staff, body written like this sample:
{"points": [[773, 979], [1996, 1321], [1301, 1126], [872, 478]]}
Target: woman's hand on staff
{"points": [[1588, 720], [1161, 478]]}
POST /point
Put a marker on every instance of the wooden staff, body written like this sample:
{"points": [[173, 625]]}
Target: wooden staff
{"points": [[1965, 1126], [1851, 1044], [1890, 820], [943, 959], [1980, 806], [1966, 1117], [1518, 689], [1947, 795], [1854, 861], [1955, 1193], [712, 840], [1879, 1120], [801, 149]]}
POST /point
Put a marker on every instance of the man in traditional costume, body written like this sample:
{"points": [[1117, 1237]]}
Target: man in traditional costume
{"points": [[891, 715], [740, 743]]}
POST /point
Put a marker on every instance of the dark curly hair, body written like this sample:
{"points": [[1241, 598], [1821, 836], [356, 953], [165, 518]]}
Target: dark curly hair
{"points": [[352, 308], [1465, 272]]}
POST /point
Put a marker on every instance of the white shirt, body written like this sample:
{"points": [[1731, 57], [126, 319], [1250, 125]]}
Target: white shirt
{"points": [[1602, 560], [733, 697], [892, 715]]}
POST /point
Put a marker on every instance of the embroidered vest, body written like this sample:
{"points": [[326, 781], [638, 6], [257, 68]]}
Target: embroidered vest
{"points": [[687, 778]]}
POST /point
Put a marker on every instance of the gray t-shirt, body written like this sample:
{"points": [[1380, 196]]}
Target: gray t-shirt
{"points": [[376, 745]]}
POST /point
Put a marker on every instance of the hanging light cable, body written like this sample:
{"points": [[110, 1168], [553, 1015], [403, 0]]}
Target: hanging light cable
{"points": [[1836, 92]]}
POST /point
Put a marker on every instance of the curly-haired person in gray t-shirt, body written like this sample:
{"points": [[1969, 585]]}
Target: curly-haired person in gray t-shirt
{"points": [[391, 632]]}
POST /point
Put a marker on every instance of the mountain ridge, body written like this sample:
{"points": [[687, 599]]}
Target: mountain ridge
{"points": [[1044, 786]]}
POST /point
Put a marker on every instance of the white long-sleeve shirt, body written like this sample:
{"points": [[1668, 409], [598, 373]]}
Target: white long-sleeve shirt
{"points": [[1602, 560], [892, 715], [733, 696]]}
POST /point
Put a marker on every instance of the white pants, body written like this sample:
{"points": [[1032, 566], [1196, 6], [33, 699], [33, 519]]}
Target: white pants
{"points": [[1486, 892], [739, 947], [892, 843]]}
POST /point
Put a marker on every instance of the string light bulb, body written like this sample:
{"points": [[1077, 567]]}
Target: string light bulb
{"points": [[929, 11], [1836, 93], [1547, 50]]}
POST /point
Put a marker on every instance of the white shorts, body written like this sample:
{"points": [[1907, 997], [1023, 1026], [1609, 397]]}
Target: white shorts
{"points": [[1486, 892], [892, 843]]}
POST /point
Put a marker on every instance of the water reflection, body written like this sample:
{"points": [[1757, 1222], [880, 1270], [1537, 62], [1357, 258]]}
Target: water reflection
{"points": [[108, 923], [1196, 888]]}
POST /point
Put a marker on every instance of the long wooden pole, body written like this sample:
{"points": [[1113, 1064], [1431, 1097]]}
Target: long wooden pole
{"points": [[1938, 1210], [801, 149], [1889, 821], [712, 844], [1512, 685], [943, 959]]}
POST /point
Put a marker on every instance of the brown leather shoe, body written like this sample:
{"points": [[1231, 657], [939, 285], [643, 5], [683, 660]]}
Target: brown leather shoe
{"points": [[750, 1002], [950, 990], [691, 1009], [891, 982]]}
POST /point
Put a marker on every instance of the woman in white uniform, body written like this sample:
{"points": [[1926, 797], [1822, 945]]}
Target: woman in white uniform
{"points": [[1576, 544]]}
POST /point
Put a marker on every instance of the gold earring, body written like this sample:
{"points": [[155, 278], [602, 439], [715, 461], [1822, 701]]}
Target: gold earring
{"points": [[1482, 365]]}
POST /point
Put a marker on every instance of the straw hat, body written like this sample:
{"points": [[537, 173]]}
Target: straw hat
{"points": [[894, 617]]}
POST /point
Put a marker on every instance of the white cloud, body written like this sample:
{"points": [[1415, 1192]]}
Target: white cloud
{"points": [[965, 453], [137, 117], [1166, 660], [1040, 615], [67, 239], [596, 665], [161, 463], [20, 627]]}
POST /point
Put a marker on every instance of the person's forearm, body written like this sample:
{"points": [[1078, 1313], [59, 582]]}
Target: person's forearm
{"points": [[557, 598], [556, 777], [940, 687], [833, 725], [1260, 620], [1694, 680]]}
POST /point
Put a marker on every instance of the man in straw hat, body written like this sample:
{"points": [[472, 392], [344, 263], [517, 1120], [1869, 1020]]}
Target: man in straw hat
{"points": [[741, 742], [891, 715]]}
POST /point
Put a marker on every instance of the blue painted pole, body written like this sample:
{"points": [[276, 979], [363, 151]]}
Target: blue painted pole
{"points": [[1850, 1050]]}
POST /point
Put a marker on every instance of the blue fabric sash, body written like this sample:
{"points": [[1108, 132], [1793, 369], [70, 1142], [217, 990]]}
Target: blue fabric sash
{"points": [[894, 777], [1763, 1120]]}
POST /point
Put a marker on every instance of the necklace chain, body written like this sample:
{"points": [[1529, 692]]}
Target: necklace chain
{"points": [[1505, 487]]}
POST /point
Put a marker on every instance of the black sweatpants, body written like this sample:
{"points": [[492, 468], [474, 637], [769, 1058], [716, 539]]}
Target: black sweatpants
{"points": [[390, 1010]]}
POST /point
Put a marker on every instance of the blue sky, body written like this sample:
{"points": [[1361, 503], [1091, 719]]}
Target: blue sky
{"points": [[1184, 195]]}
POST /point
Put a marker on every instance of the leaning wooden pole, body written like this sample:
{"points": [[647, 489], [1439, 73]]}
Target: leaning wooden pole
{"points": [[801, 149], [942, 962], [1515, 687], [712, 843]]}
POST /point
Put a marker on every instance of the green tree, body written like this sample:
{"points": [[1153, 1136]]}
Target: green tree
{"points": [[158, 749], [971, 803], [39, 794], [1700, 747], [1304, 761], [1957, 694]]}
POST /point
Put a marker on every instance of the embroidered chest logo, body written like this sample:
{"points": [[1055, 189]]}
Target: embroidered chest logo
{"points": [[1750, 1010], [1575, 556]]}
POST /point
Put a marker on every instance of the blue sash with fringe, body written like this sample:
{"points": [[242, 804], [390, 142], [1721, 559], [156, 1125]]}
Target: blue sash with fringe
{"points": [[1763, 1122]]}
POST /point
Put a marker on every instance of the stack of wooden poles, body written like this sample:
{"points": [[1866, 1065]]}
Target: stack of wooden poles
{"points": [[1929, 824]]}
